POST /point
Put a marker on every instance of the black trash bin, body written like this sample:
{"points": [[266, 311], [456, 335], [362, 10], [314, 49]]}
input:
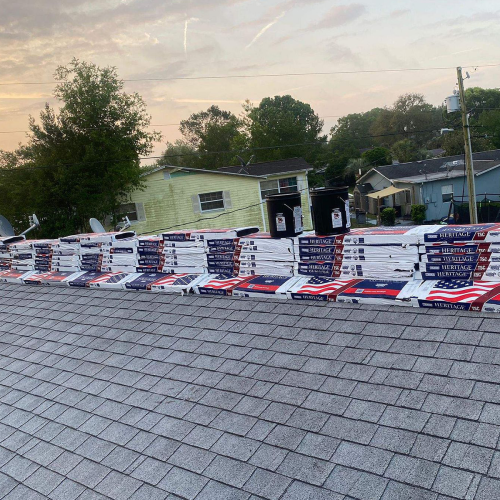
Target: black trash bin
{"points": [[284, 212], [330, 207]]}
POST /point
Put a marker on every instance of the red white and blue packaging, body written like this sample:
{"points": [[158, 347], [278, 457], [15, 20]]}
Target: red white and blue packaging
{"points": [[368, 269], [143, 281], [208, 234], [176, 283], [264, 243], [51, 278], [465, 295], [265, 286], [13, 276], [255, 268], [479, 271], [371, 291], [473, 233], [317, 289], [219, 284], [111, 281]]}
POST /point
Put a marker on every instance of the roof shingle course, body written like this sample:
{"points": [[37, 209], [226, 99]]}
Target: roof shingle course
{"points": [[320, 405]]}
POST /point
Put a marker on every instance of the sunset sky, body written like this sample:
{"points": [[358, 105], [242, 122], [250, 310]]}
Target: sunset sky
{"points": [[190, 38]]}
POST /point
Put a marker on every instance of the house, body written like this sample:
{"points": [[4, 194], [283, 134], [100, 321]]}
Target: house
{"points": [[433, 183], [229, 197]]}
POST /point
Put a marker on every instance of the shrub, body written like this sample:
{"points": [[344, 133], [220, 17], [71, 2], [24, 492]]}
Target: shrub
{"points": [[388, 217], [418, 213]]}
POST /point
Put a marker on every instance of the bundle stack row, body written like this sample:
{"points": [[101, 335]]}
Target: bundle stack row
{"points": [[378, 253], [462, 252]]}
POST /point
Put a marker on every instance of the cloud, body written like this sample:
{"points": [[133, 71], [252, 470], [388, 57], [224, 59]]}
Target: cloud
{"points": [[338, 53], [186, 24], [339, 16], [396, 14], [265, 28]]}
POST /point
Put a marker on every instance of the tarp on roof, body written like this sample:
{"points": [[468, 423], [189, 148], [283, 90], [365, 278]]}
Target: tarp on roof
{"points": [[386, 192]]}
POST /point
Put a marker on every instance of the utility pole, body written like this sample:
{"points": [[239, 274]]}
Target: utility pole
{"points": [[471, 185]]}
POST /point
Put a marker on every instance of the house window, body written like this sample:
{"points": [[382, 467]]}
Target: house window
{"points": [[447, 193], [211, 201], [129, 210], [278, 186]]}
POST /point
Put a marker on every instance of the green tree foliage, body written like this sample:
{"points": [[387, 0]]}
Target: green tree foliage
{"points": [[410, 117], [212, 133], [81, 161], [378, 156], [283, 121], [356, 129], [181, 154], [406, 150]]}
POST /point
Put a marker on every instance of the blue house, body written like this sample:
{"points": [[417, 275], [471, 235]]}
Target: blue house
{"points": [[433, 183]]}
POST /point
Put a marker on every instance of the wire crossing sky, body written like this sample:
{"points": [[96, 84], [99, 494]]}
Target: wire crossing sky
{"points": [[339, 56]]}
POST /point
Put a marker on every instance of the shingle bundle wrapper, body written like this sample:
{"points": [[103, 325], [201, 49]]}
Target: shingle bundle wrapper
{"points": [[470, 252], [376, 253], [161, 282], [265, 286], [6, 254], [357, 291], [13, 276], [212, 251], [263, 255], [219, 284]]}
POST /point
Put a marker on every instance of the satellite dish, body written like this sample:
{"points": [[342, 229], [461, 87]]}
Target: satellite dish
{"points": [[34, 223], [96, 226], [6, 228]]}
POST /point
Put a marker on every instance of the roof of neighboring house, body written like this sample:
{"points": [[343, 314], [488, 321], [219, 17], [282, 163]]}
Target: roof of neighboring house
{"points": [[364, 188], [438, 166], [200, 171], [270, 167], [142, 396]]}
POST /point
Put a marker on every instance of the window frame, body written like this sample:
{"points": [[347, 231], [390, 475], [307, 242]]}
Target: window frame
{"points": [[218, 209], [447, 194], [279, 189], [126, 213]]}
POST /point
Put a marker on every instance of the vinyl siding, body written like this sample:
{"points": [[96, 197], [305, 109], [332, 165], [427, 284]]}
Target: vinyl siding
{"points": [[168, 202]]}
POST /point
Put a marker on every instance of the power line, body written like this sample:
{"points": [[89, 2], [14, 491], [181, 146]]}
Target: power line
{"points": [[152, 125], [274, 75], [234, 152]]}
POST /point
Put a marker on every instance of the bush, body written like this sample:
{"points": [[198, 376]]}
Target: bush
{"points": [[388, 217], [418, 213]]}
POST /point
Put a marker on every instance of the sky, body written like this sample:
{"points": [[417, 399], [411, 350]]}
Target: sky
{"points": [[192, 38]]}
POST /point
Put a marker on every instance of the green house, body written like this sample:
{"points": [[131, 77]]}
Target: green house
{"points": [[185, 198]]}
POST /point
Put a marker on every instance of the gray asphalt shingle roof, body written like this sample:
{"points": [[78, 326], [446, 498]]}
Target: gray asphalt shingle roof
{"points": [[124, 395]]}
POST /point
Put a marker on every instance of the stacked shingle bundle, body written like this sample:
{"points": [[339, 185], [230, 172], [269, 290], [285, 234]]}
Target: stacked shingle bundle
{"points": [[461, 252], [96, 255], [23, 255], [262, 255], [213, 251], [65, 254], [6, 253], [356, 291], [373, 253]]}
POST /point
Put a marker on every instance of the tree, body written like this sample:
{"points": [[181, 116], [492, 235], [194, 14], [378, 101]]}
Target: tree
{"points": [[211, 133], [355, 128], [378, 156], [410, 117], [179, 153], [283, 121], [406, 150], [83, 161]]}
